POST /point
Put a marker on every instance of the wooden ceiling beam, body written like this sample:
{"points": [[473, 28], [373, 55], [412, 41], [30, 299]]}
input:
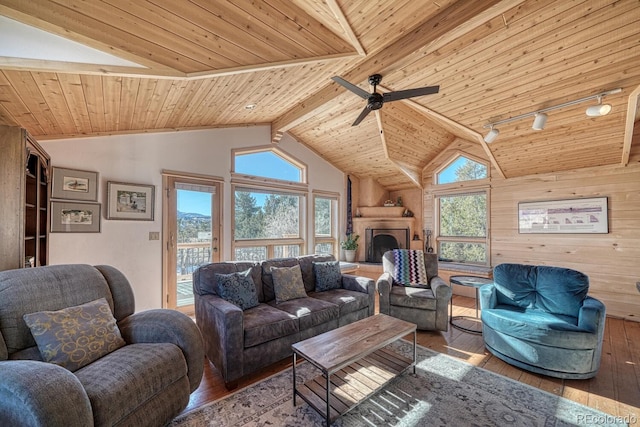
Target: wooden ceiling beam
{"points": [[346, 27], [458, 130], [453, 21], [632, 108]]}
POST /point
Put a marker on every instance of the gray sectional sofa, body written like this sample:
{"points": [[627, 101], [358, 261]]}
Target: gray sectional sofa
{"points": [[241, 342]]}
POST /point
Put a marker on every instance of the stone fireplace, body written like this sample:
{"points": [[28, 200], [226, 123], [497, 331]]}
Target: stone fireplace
{"points": [[380, 240]]}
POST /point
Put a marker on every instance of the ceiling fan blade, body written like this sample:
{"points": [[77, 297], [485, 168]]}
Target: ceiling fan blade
{"points": [[353, 88], [362, 115], [409, 93]]}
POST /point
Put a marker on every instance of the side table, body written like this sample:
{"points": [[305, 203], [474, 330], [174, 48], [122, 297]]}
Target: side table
{"points": [[469, 281]]}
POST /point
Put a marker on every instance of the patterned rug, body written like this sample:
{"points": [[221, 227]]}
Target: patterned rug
{"points": [[443, 392]]}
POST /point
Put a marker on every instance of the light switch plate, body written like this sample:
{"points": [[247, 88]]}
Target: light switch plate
{"points": [[154, 235]]}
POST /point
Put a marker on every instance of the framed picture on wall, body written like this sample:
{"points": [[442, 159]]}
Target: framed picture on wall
{"points": [[588, 215], [75, 217], [73, 184], [130, 201]]}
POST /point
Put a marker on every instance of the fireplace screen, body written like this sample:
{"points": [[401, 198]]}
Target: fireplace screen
{"points": [[380, 240]]}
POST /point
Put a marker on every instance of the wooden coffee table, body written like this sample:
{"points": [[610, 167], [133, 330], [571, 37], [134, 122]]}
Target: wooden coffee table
{"points": [[354, 363]]}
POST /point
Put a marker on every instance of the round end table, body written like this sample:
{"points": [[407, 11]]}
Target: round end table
{"points": [[473, 282]]}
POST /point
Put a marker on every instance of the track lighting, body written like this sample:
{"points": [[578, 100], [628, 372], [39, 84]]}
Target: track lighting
{"points": [[541, 117], [599, 110], [539, 121], [492, 135]]}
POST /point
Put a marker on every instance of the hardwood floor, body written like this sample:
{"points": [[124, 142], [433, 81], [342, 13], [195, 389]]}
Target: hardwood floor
{"points": [[615, 390]]}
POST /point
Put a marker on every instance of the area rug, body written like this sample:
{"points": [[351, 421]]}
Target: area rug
{"points": [[444, 391]]}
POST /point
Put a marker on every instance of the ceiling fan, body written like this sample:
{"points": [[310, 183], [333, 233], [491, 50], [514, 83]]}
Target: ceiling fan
{"points": [[375, 99]]}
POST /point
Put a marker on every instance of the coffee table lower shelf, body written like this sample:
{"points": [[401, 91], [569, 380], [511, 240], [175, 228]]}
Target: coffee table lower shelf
{"points": [[353, 383]]}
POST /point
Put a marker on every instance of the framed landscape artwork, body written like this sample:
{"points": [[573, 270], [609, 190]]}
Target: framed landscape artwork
{"points": [[75, 217], [71, 184], [588, 215], [130, 201]]}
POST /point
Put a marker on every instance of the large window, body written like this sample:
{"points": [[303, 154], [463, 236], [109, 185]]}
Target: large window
{"points": [[462, 213], [267, 224], [269, 205], [325, 208]]}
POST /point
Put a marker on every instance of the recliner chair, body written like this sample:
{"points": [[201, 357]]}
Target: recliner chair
{"points": [[145, 382], [427, 305]]}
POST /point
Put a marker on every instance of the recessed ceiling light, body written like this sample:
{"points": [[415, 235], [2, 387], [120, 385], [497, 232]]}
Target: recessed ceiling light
{"points": [[250, 107]]}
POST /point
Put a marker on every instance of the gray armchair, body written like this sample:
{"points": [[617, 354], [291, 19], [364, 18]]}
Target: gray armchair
{"points": [[426, 306], [146, 382]]}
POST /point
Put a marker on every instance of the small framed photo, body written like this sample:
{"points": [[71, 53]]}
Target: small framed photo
{"points": [[130, 201], [75, 217], [71, 184]]}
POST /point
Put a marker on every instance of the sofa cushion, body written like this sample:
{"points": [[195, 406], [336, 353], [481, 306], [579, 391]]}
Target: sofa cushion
{"points": [[539, 326], [409, 268], [306, 268], [414, 297], [516, 284], [347, 301], [267, 276], [265, 323], [125, 379], [310, 311], [75, 336], [238, 289], [287, 283], [561, 290], [327, 275]]}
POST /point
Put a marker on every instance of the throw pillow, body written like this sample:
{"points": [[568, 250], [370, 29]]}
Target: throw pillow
{"points": [[238, 289], [328, 275], [287, 283], [75, 336], [409, 267]]}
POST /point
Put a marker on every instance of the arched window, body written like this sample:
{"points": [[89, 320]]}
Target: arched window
{"points": [[270, 192], [462, 211], [461, 169], [269, 163]]}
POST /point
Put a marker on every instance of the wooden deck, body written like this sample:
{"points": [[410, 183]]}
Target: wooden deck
{"points": [[615, 390]]}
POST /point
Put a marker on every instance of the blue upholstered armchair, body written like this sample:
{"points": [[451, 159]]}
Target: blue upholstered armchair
{"points": [[540, 319]]}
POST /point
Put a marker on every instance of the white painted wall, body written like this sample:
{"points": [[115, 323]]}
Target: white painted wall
{"points": [[140, 159]]}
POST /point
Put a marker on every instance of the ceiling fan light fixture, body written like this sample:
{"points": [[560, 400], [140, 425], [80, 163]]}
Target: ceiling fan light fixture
{"points": [[539, 121], [491, 135]]}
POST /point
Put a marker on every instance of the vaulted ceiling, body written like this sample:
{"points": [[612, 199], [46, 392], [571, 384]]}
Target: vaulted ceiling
{"points": [[202, 62]]}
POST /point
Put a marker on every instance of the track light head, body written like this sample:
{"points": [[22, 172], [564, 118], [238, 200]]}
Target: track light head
{"points": [[491, 135], [539, 121], [599, 110]]}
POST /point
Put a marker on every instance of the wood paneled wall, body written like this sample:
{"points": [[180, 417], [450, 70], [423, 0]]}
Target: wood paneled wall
{"points": [[610, 260]]}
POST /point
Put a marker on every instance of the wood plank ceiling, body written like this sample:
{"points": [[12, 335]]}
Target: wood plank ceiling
{"points": [[204, 61]]}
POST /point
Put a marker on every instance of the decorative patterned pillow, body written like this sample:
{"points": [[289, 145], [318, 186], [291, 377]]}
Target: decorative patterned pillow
{"points": [[75, 336], [409, 269], [238, 289], [328, 275], [287, 283]]}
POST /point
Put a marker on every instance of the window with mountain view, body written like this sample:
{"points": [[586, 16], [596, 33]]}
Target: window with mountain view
{"points": [[267, 215], [462, 213]]}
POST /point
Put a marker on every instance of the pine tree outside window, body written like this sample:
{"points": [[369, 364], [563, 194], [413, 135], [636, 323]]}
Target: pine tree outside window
{"points": [[462, 212]]}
